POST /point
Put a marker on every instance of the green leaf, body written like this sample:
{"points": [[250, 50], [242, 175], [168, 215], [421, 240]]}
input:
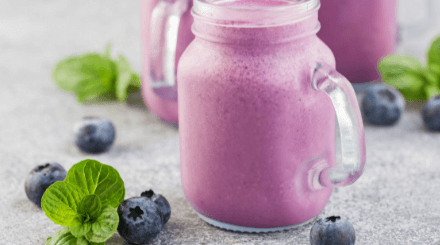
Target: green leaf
{"points": [[89, 89], [136, 80], [135, 84], [125, 78], [434, 52], [431, 91], [393, 66], [105, 226], [100, 179], [85, 203], [410, 84], [431, 76], [432, 84], [80, 226], [88, 210], [435, 68], [85, 69], [91, 205], [60, 202], [64, 237], [82, 241]]}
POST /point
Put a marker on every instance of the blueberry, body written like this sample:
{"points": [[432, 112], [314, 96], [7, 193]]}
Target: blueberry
{"points": [[140, 220], [161, 202], [94, 134], [431, 113], [40, 178], [382, 105], [332, 230]]}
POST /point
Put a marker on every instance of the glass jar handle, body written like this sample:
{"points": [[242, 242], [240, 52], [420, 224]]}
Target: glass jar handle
{"points": [[342, 94], [164, 28]]}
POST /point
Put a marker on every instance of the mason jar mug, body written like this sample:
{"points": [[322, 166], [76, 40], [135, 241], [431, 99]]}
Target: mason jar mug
{"points": [[359, 33], [259, 97], [166, 32]]}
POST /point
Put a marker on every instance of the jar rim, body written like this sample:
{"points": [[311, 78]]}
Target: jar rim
{"points": [[256, 14]]}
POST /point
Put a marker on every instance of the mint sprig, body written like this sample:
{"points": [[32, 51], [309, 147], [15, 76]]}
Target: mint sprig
{"points": [[408, 75], [85, 204], [94, 75], [64, 237], [126, 78]]}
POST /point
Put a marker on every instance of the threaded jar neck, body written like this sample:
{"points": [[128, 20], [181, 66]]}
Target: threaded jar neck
{"points": [[256, 22], [253, 13]]}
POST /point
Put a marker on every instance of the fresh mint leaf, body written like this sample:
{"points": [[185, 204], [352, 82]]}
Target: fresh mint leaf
{"points": [[431, 91], [135, 84], [60, 202], [100, 179], [85, 203], [80, 225], [89, 89], [125, 78], [433, 67], [89, 210], [64, 237], [431, 77], [392, 66], [432, 81], [410, 84], [434, 52], [83, 71], [96, 77], [105, 225], [83, 241], [91, 205], [136, 80]]}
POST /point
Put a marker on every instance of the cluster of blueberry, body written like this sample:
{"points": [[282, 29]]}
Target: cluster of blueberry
{"points": [[384, 105], [140, 218]]}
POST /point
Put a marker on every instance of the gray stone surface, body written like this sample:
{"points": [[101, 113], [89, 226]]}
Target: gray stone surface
{"points": [[396, 201]]}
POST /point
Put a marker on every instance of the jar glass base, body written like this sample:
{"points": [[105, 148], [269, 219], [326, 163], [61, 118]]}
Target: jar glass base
{"points": [[237, 228]]}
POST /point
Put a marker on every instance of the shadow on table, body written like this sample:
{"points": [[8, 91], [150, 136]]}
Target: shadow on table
{"points": [[414, 105], [134, 100]]}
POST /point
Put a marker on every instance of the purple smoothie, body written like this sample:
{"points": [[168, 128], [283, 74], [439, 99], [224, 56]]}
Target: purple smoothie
{"points": [[249, 120], [359, 33], [164, 109]]}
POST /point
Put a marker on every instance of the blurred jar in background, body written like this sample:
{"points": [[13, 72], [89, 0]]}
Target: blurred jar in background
{"points": [[166, 32], [359, 33]]}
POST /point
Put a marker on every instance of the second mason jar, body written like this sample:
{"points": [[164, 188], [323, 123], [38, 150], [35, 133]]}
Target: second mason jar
{"points": [[359, 33], [258, 103], [166, 32]]}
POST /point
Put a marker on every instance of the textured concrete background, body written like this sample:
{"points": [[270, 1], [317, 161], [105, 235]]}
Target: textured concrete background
{"points": [[396, 201]]}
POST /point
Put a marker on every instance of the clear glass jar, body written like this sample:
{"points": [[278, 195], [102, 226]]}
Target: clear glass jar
{"points": [[166, 32], [359, 33], [258, 102]]}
